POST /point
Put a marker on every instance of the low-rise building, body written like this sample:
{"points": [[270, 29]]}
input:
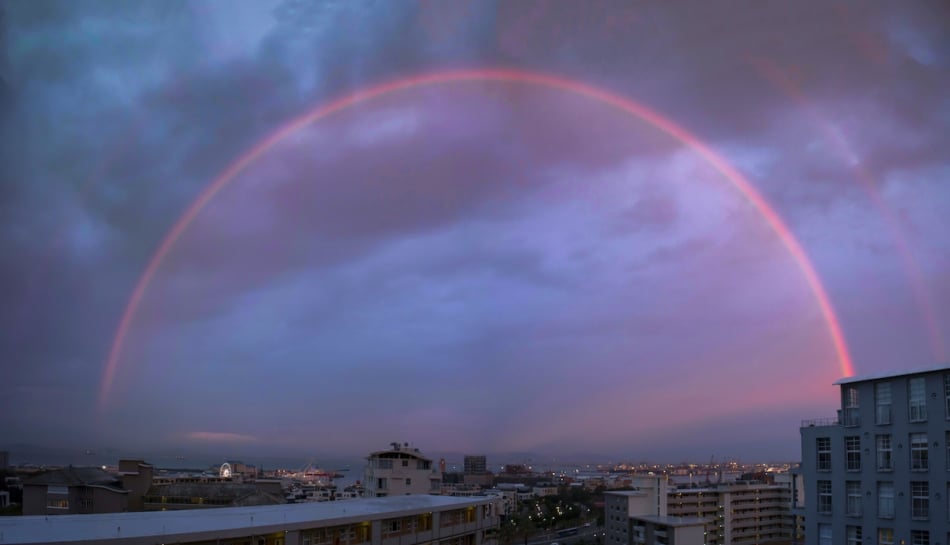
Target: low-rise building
{"points": [[74, 490], [417, 519], [400, 470], [178, 496]]}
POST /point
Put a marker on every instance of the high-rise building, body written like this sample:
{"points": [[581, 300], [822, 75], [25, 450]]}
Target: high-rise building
{"points": [[475, 465], [400, 470], [878, 472]]}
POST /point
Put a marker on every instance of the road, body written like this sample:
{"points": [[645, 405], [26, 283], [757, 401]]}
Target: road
{"points": [[586, 533]]}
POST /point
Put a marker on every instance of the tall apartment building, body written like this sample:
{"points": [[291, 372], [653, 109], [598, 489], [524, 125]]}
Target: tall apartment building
{"points": [[743, 513], [400, 470], [880, 471]]}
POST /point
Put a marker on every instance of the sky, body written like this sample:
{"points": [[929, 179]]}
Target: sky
{"points": [[480, 264]]}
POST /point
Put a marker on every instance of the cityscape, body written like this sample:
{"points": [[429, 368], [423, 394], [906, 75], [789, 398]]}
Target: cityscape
{"points": [[532, 272]]}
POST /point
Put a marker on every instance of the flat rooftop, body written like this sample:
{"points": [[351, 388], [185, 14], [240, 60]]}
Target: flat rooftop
{"points": [[892, 374], [672, 521], [625, 492], [217, 522]]}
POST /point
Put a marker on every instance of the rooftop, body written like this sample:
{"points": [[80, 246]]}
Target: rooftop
{"points": [[625, 492], [892, 374], [76, 476], [216, 522], [672, 521]]}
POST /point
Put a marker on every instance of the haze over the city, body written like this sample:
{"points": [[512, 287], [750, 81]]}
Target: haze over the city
{"points": [[575, 231]]}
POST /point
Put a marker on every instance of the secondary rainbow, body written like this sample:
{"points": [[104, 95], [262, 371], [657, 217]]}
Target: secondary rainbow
{"points": [[501, 75]]}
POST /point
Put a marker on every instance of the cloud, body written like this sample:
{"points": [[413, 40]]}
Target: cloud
{"points": [[220, 437], [487, 258]]}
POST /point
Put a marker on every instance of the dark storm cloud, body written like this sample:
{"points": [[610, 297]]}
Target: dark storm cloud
{"points": [[482, 239]]}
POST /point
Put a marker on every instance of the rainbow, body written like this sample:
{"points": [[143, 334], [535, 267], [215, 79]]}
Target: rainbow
{"points": [[928, 315], [502, 75]]}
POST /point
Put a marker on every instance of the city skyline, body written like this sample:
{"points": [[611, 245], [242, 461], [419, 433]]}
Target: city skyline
{"points": [[663, 231]]}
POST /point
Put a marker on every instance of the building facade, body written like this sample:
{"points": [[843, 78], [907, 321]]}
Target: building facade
{"points": [[74, 491], [647, 498], [474, 464], [880, 471], [419, 520], [742, 513], [400, 470]]}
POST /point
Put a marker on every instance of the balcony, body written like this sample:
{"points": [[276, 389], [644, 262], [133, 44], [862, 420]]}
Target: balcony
{"points": [[821, 422]]}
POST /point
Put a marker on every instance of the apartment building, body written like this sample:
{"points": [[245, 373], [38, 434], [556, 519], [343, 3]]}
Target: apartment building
{"points": [[741, 513], [639, 516], [418, 519], [400, 470], [879, 472]]}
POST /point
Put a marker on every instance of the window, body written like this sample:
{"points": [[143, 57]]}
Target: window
{"points": [[946, 394], [919, 537], [852, 450], [918, 452], [823, 447], [381, 483], [824, 497], [920, 500], [853, 506], [405, 463], [852, 415], [885, 536], [882, 403], [57, 497], [824, 534], [917, 400], [854, 535], [408, 482], [884, 460], [885, 500]]}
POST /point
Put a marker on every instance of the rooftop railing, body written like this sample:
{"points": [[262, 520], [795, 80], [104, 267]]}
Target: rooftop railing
{"points": [[820, 422]]}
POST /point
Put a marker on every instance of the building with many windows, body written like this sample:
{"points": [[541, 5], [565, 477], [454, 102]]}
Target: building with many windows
{"points": [[419, 520], [741, 513], [400, 470], [880, 471], [639, 516]]}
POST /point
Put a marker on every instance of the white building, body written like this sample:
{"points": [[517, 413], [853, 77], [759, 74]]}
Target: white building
{"points": [[420, 520], [400, 470], [740, 513], [746, 513]]}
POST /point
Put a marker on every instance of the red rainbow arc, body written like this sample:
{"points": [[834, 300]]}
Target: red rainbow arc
{"points": [[500, 75]]}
